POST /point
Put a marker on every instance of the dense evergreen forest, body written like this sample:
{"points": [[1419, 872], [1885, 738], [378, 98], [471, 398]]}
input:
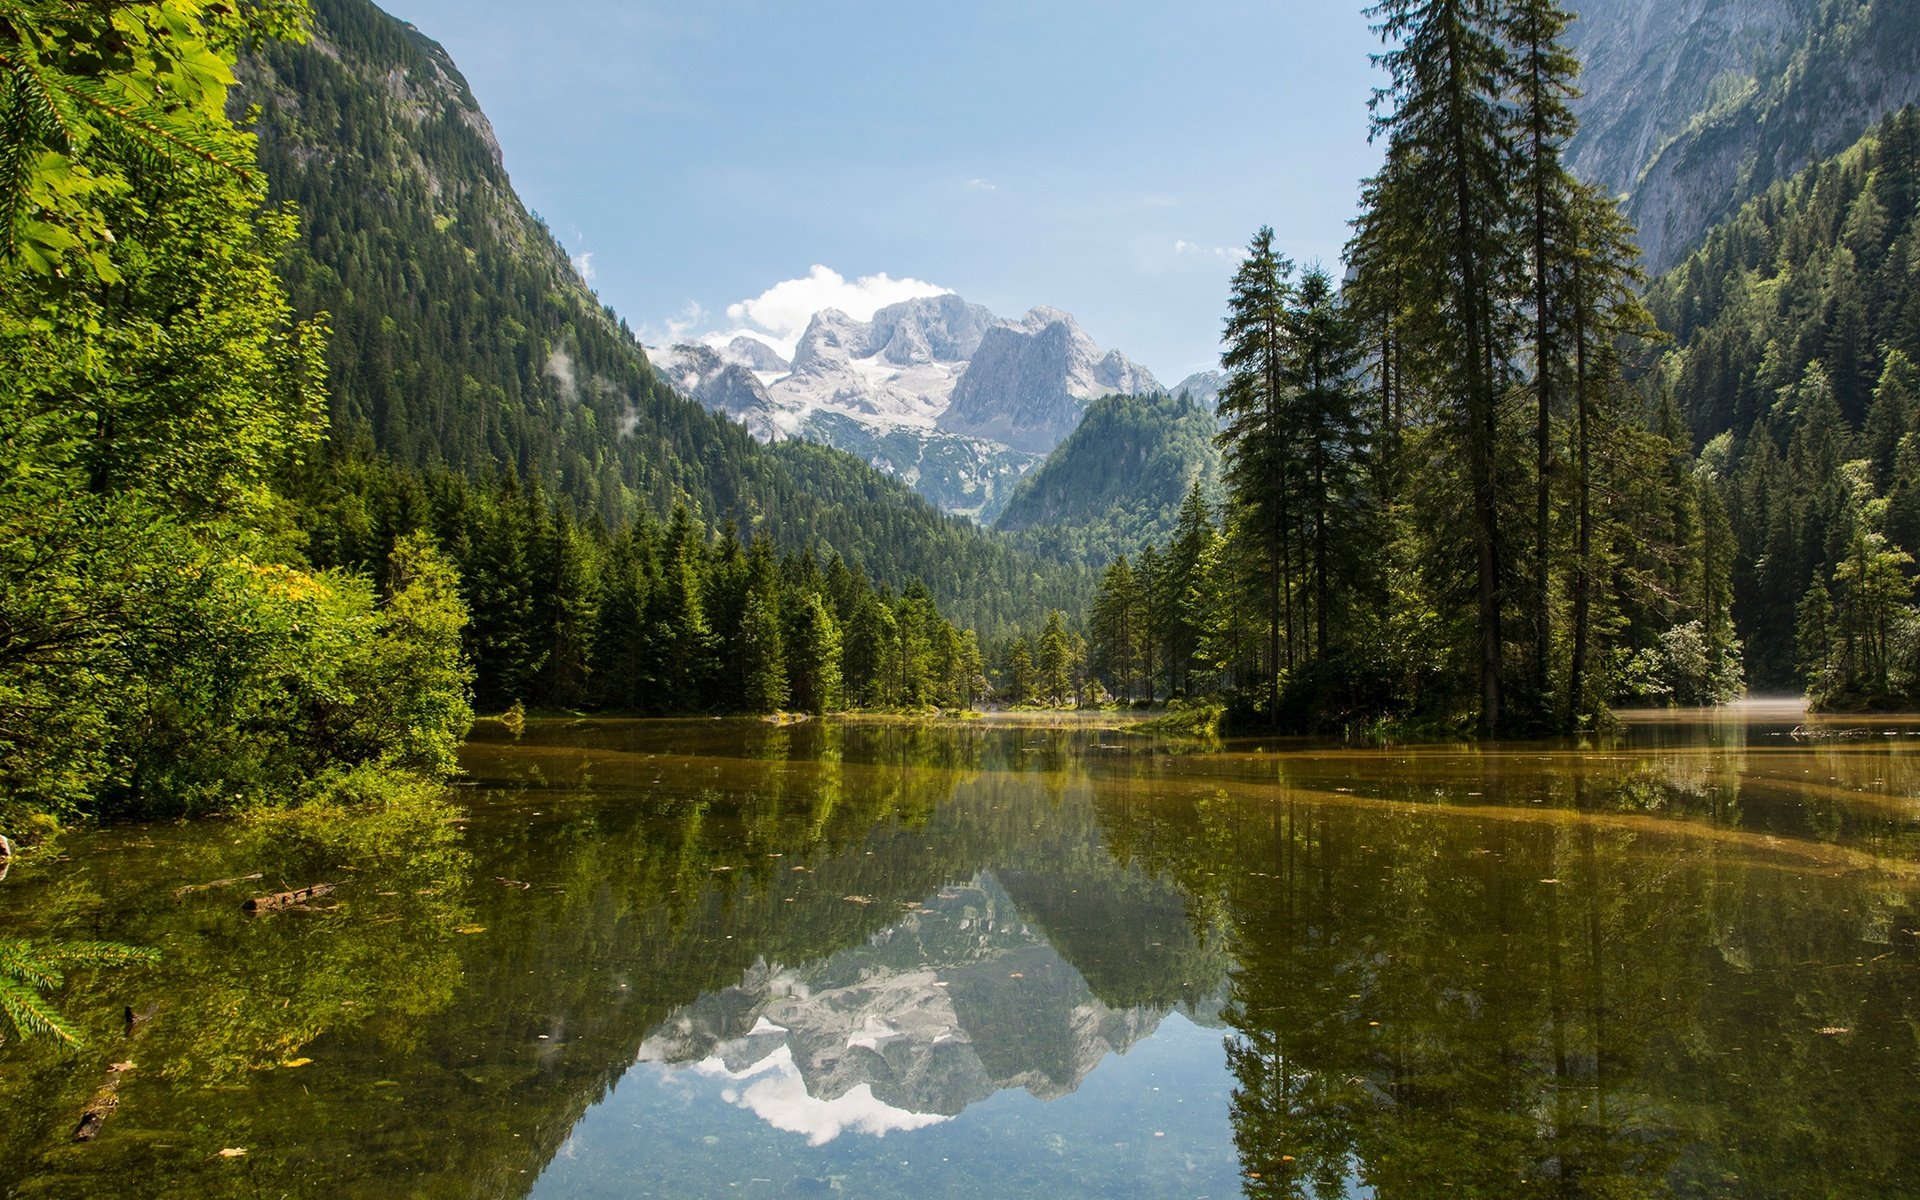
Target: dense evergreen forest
{"points": [[653, 619], [1796, 331], [460, 336], [1114, 485], [1448, 503], [206, 604]]}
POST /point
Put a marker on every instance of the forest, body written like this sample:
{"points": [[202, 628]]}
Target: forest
{"points": [[260, 541]]}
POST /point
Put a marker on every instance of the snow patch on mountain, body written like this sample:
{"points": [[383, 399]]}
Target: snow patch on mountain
{"points": [[941, 393]]}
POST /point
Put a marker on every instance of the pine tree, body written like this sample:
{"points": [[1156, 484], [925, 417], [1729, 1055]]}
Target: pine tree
{"points": [[1541, 74], [1258, 428], [813, 656], [1055, 682], [1193, 528], [1323, 355], [1116, 628], [1439, 217], [762, 647], [1020, 673]]}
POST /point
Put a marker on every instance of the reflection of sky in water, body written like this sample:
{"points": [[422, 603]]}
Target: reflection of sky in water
{"points": [[1151, 1122]]}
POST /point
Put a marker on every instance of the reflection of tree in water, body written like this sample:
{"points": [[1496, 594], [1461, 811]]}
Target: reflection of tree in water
{"points": [[1647, 1024], [1434, 1003], [234, 996]]}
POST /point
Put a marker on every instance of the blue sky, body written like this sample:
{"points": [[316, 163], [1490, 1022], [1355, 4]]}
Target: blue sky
{"points": [[1105, 158]]}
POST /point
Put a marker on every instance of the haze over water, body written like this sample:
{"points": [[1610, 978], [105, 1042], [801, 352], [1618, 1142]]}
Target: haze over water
{"points": [[725, 958]]}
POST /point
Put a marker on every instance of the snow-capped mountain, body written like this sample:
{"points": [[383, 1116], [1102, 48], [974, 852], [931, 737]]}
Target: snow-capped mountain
{"points": [[939, 392]]}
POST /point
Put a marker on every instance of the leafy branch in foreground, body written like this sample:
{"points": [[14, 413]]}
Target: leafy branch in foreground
{"points": [[27, 969]]}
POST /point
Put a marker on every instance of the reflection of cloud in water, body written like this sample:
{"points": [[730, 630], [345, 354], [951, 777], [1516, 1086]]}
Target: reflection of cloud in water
{"points": [[778, 1095]]}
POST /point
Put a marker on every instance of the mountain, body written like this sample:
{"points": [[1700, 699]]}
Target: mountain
{"points": [[1114, 485], [723, 384], [935, 391], [463, 339], [1202, 387], [1692, 107], [1028, 383]]}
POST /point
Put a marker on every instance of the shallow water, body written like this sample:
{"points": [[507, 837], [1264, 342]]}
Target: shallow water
{"points": [[723, 959]]}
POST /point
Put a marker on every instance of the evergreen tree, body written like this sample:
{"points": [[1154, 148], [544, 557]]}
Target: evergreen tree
{"points": [[1054, 683], [762, 647], [1323, 356], [1439, 217], [1020, 680], [1116, 627], [813, 656], [1541, 73], [1258, 428]]}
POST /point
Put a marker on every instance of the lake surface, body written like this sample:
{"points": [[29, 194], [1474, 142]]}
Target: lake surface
{"points": [[729, 959]]}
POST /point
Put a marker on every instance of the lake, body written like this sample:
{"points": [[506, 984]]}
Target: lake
{"points": [[720, 958]]}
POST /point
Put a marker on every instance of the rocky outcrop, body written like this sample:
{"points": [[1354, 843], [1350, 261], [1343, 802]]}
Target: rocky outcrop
{"points": [[725, 386], [1692, 107], [1202, 387], [1029, 384]]}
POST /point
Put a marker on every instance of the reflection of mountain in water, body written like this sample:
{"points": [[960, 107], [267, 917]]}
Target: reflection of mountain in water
{"points": [[964, 997]]}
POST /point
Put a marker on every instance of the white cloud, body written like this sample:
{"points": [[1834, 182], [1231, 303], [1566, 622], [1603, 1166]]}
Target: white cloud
{"points": [[784, 309], [982, 185], [1224, 253], [779, 315], [583, 265]]}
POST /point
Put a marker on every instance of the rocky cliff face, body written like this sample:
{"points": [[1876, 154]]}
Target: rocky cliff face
{"points": [[1028, 384], [1691, 107], [937, 392], [1202, 387], [721, 382]]}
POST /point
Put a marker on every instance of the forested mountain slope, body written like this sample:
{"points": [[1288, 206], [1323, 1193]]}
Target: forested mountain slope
{"points": [[1116, 483], [462, 337], [1694, 106], [1797, 327]]}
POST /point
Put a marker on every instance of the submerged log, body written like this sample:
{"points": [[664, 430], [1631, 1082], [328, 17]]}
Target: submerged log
{"points": [[284, 900], [98, 1110], [106, 1097]]}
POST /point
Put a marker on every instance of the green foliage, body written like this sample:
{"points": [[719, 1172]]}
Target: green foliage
{"points": [[29, 968], [1114, 485], [93, 96], [1795, 335], [463, 340], [164, 647]]}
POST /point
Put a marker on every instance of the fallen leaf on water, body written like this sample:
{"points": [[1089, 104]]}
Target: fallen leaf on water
{"points": [[858, 899], [1833, 1031], [234, 1152], [1549, 881], [296, 1062], [1016, 975], [470, 929]]}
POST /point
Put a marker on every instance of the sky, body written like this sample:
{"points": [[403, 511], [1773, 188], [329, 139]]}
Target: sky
{"points": [[722, 165]]}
